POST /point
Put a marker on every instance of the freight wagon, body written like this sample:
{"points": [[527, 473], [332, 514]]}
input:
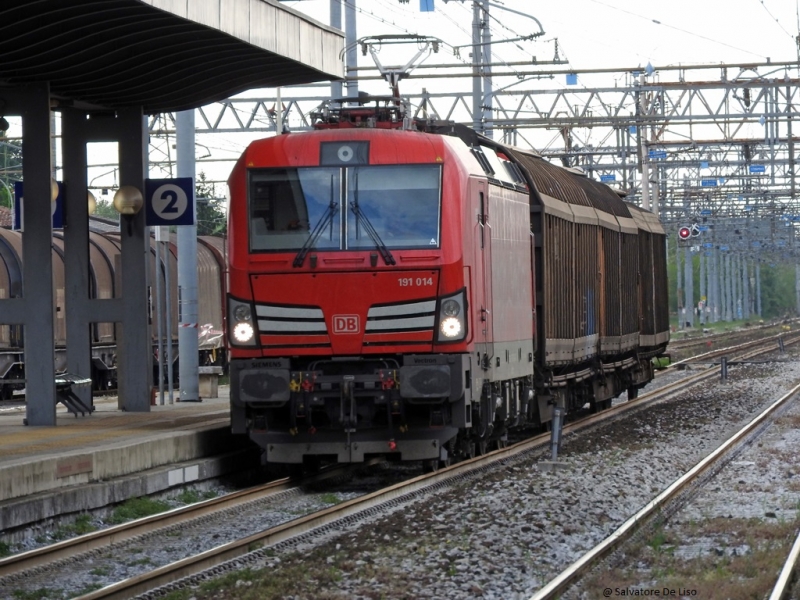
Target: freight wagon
{"points": [[104, 253]]}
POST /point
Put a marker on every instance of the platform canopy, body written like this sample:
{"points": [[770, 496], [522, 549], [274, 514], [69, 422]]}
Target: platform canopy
{"points": [[162, 55], [103, 64]]}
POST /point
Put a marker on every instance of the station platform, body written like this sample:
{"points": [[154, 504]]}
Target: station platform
{"points": [[88, 462]]}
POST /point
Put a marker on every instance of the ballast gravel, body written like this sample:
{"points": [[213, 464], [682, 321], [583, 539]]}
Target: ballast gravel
{"points": [[505, 535], [502, 535]]}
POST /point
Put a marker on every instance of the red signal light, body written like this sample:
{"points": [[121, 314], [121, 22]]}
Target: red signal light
{"points": [[684, 233]]}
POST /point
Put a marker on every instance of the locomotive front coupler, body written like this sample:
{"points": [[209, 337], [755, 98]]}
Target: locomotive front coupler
{"points": [[348, 415], [300, 408]]}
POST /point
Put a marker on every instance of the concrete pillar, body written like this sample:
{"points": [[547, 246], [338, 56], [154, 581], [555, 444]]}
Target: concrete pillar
{"points": [[689, 287], [37, 270], [76, 248], [679, 287], [487, 101], [713, 299], [713, 285], [731, 311], [187, 269], [703, 290], [336, 21], [758, 288], [746, 287], [719, 291], [134, 345], [477, 81], [797, 286], [736, 285], [351, 47]]}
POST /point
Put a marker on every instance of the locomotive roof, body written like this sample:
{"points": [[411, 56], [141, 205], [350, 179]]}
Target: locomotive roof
{"points": [[566, 184]]}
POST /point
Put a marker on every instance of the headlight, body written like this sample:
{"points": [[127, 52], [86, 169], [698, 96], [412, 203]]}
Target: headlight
{"points": [[242, 313], [451, 318], [450, 327], [241, 325], [243, 332], [450, 308]]}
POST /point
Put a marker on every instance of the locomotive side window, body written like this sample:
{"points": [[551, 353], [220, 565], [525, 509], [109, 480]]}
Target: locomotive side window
{"points": [[286, 204], [400, 202]]}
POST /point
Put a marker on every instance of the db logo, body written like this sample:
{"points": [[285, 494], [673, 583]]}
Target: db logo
{"points": [[345, 324]]}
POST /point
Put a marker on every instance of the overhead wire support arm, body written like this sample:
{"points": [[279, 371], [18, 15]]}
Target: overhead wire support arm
{"points": [[522, 38], [511, 10]]}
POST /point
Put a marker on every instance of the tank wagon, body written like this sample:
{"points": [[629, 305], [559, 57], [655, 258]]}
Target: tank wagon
{"points": [[104, 281], [415, 290]]}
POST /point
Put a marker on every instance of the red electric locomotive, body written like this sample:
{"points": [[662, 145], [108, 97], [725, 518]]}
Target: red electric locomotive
{"points": [[383, 295]]}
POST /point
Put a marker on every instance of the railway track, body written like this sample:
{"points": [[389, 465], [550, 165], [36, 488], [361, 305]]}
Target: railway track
{"points": [[699, 359], [570, 576], [15, 567], [34, 559], [784, 584], [686, 344], [241, 552]]}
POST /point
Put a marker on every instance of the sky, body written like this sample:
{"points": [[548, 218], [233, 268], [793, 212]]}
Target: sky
{"points": [[600, 33], [590, 34]]}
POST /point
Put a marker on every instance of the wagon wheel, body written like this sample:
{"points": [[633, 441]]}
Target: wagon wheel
{"points": [[430, 465], [469, 450], [482, 447]]}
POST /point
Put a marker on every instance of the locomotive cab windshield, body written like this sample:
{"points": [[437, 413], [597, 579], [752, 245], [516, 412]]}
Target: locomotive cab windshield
{"points": [[345, 208]]}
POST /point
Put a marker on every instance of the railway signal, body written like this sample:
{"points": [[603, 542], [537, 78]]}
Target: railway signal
{"points": [[686, 232]]}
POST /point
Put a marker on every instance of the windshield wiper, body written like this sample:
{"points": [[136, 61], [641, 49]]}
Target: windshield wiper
{"points": [[376, 239], [323, 222]]}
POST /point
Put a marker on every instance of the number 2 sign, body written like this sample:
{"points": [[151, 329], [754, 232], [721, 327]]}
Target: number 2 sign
{"points": [[169, 201]]}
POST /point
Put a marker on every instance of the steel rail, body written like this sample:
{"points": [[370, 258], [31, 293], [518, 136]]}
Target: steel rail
{"points": [[722, 351], [194, 565], [119, 533], [785, 578], [571, 574], [688, 342]]}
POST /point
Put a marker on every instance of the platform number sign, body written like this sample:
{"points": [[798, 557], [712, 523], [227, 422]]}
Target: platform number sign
{"points": [[169, 201], [56, 208]]}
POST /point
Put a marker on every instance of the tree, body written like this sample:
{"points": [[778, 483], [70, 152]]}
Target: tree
{"points": [[105, 209], [212, 218], [777, 290], [10, 168]]}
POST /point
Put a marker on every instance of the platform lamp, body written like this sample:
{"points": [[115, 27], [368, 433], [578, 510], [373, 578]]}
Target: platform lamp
{"points": [[53, 196], [128, 201], [91, 202]]}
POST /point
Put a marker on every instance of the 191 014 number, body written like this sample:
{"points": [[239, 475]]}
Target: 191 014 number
{"points": [[411, 281]]}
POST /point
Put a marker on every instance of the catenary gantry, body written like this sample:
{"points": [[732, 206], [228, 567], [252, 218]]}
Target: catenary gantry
{"points": [[104, 64]]}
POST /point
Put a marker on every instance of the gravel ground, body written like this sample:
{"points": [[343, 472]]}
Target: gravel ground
{"points": [[504, 534], [730, 540], [501, 535]]}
